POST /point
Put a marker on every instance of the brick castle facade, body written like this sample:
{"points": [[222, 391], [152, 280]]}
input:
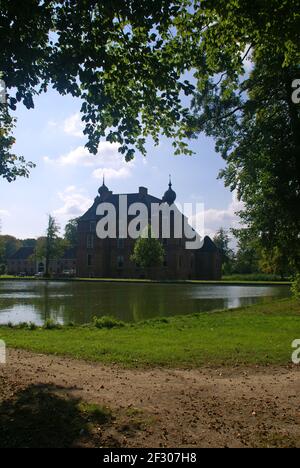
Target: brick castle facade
{"points": [[111, 257]]}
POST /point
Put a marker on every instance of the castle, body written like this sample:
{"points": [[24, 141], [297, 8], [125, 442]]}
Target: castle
{"points": [[111, 257]]}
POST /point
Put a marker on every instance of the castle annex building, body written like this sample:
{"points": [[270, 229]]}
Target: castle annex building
{"points": [[111, 257]]}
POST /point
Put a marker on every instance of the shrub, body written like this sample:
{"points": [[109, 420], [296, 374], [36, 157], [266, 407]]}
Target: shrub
{"points": [[296, 287], [107, 322], [22, 325], [51, 325], [32, 326]]}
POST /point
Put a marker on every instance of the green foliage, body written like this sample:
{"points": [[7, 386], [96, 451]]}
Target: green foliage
{"points": [[107, 322], [11, 165], [257, 131], [296, 287], [22, 325], [9, 245], [71, 235], [148, 252], [52, 246], [126, 60], [50, 324], [248, 252], [254, 277], [275, 261], [222, 241]]}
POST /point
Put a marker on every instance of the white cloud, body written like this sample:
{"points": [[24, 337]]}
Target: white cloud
{"points": [[75, 203], [4, 213], [74, 126], [80, 156], [108, 161], [110, 173], [226, 218]]}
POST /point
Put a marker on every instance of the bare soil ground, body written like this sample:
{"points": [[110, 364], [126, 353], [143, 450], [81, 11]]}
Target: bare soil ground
{"points": [[225, 407]]}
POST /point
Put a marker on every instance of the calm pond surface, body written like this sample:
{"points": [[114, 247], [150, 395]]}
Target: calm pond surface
{"points": [[65, 302]]}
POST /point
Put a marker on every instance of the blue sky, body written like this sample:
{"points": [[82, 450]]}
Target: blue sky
{"points": [[67, 178]]}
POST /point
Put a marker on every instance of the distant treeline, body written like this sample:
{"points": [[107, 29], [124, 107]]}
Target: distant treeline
{"points": [[249, 257]]}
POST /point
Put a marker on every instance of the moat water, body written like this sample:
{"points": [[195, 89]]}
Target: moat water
{"points": [[65, 302]]}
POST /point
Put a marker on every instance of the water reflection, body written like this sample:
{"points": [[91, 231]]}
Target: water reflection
{"points": [[79, 302]]}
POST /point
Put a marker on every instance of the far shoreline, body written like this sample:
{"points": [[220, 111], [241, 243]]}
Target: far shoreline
{"points": [[149, 281]]}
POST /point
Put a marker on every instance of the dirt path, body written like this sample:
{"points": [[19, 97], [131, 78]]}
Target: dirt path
{"points": [[234, 407]]}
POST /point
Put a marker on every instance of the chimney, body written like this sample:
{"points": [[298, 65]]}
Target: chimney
{"points": [[143, 191]]}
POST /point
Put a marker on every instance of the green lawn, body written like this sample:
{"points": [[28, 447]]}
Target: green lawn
{"points": [[260, 334]]}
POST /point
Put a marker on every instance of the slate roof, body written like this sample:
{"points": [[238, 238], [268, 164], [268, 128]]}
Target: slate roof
{"points": [[22, 254], [114, 200], [208, 245]]}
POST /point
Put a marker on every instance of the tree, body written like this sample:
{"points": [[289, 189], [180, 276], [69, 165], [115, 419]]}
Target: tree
{"points": [[275, 262], [257, 130], [11, 245], [126, 59], [248, 252], [148, 252], [11, 165], [51, 246], [71, 235], [222, 241], [8, 246]]}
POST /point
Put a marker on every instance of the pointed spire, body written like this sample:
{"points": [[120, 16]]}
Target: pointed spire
{"points": [[169, 196], [103, 190]]}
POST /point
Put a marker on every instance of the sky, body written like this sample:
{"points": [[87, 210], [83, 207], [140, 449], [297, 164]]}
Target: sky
{"points": [[66, 178]]}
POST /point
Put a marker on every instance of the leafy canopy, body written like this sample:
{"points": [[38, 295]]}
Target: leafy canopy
{"points": [[126, 60]]}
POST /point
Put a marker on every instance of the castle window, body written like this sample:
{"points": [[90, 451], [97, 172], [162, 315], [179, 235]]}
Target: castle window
{"points": [[120, 243], [89, 260], [120, 261], [90, 241]]}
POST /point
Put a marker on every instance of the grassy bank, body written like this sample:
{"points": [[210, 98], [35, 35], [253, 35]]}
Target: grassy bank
{"points": [[257, 277], [239, 280], [260, 334]]}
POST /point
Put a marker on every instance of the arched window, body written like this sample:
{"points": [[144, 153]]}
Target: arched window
{"points": [[120, 261]]}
